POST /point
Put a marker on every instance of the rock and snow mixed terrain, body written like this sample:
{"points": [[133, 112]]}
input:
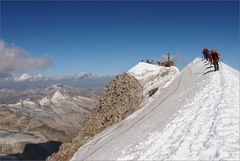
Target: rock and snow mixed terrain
{"points": [[123, 96], [193, 117], [39, 115]]}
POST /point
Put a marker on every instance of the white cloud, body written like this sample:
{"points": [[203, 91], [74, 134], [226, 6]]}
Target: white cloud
{"points": [[15, 60], [27, 77], [39, 77], [23, 77]]}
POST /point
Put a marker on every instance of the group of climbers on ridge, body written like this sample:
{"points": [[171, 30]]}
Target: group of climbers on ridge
{"points": [[213, 57], [166, 63]]}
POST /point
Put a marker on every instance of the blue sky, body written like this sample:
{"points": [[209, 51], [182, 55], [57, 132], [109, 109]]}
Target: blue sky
{"points": [[109, 37]]}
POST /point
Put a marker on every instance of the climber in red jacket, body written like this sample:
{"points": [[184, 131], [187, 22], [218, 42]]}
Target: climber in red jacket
{"points": [[215, 59]]}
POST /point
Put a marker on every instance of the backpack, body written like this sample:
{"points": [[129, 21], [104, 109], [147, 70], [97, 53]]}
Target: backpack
{"points": [[215, 56]]}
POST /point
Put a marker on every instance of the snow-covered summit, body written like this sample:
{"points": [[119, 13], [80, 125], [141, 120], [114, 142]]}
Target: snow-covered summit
{"points": [[143, 71], [194, 117], [153, 76], [58, 97], [142, 68]]}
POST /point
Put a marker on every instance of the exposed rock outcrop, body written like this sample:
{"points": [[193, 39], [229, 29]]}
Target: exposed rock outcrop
{"points": [[121, 98], [25, 124], [12, 149]]}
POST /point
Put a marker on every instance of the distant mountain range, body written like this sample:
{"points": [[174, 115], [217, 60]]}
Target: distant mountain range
{"points": [[33, 78], [82, 80], [44, 110]]}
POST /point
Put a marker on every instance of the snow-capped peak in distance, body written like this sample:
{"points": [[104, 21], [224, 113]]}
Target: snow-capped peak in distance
{"points": [[58, 97], [84, 75]]}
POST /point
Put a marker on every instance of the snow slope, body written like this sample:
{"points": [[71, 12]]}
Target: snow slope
{"points": [[196, 117]]}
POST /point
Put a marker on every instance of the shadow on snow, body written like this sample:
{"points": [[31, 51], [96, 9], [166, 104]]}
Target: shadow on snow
{"points": [[208, 72]]}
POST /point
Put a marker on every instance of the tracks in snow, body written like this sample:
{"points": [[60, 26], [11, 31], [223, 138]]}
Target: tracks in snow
{"points": [[207, 128]]}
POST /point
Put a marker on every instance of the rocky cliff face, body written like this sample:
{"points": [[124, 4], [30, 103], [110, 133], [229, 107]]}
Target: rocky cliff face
{"points": [[121, 98]]}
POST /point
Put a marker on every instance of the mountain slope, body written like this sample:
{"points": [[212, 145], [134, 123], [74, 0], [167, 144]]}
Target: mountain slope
{"points": [[194, 117], [123, 96]]}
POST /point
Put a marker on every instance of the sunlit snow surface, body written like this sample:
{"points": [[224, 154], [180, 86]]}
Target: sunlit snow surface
{"points": [[151, 76], [196, 117]]}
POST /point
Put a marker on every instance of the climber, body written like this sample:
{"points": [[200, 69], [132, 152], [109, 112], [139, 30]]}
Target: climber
{"points": [[215, 59], [205, 54], [210, 57]]}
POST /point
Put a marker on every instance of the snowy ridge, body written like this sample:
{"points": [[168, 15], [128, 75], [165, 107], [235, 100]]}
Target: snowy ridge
{"points": [[196, 117], [205, 134]]}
